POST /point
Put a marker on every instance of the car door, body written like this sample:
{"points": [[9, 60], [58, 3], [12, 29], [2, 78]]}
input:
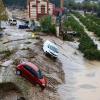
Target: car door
{"points": [[26, 72], [30, 74], [34, 76]]}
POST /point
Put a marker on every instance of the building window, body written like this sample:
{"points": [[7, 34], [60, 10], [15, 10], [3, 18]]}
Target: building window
{"points": [[33, 5], [42, 9], [38, 1]]}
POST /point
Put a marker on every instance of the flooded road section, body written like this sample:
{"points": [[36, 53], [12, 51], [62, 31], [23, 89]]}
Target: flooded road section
{"points": [[82, 78]]}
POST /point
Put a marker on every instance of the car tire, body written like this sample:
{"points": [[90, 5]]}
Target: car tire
{"points": [[18, 72]]}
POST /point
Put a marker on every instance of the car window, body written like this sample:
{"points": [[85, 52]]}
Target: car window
{"points": [[33, 72], [40, 75], [53, 48]]}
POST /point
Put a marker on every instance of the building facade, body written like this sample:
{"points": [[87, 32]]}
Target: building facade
{"points": [[39, 8]]}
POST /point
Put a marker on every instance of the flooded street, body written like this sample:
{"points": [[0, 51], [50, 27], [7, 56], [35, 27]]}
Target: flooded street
{"points": [[81, 76]]}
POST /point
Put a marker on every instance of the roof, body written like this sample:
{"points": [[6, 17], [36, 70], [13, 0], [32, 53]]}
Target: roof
{"points": [[31, 65], [51, 43]]}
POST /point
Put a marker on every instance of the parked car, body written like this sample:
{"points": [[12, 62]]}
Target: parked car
{"points": [[23, 26], [32, 73], [50, 48], [12, 21]]}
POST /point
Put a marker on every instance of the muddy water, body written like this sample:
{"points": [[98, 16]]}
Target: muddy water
{"points": [[82, 78]]}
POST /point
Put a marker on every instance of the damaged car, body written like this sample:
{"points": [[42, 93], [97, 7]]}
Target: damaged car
{"points": [[50, 48], [32, 73]]}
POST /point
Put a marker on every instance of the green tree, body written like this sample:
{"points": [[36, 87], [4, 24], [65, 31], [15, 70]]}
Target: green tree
{"points": [[71, 4], [3, 14], [47, 26], [90, 6]]}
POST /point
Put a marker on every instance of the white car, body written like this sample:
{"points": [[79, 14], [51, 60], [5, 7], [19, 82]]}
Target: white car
{"points": [[50, 48], [12, 22]]}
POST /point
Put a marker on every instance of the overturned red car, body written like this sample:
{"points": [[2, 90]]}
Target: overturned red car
{"points": [[32, 73]]}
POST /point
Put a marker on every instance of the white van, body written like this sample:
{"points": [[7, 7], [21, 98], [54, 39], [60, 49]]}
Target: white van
{"points": [[50, 48]]}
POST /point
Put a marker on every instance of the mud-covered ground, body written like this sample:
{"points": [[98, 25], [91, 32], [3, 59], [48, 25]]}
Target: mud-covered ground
{"points": [[17, 46]]}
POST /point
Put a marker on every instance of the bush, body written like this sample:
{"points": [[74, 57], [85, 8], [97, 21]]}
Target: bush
{"points": [[53, 29], [47, 26], [89, 48], [92, 54], [86, 43]]}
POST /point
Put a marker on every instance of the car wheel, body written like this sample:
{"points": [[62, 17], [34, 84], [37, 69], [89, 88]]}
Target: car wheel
{"points": [[18, 72]]}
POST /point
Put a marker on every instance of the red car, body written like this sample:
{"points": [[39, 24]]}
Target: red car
{"points": [[32, 73]]}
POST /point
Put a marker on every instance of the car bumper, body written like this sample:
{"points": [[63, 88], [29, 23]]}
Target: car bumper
{"points": [[52, 54]]}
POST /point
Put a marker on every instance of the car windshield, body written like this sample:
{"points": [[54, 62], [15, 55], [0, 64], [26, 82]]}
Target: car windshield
{"points": [[14, 20], [53, 48], [40, 75]]}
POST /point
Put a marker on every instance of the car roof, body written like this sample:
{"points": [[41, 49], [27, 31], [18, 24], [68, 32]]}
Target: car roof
{"points": [[33, 66], [51, 43]]}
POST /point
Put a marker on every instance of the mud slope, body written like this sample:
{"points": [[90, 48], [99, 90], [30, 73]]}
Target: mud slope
{"points": [[18, 46]]}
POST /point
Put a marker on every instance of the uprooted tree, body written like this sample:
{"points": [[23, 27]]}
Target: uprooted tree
{"points": [[3, 14]]}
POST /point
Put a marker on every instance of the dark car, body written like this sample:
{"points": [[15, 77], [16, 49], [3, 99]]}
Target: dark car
{"points": [[32, 73], [23, 27]]}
